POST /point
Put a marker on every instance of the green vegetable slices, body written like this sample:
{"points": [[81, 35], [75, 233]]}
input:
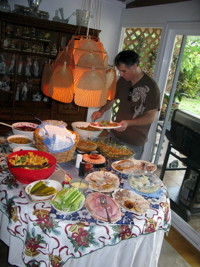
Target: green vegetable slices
{"points": [[68, 200]]}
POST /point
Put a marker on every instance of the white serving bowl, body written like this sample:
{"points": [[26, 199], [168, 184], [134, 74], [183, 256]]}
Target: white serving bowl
{"points": [[14, 140], [23, 130], [85, 134], [51, 183], [18, 148]]}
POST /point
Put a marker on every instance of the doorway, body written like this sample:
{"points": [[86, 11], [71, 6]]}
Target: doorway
{"points": [[171, 43], [169, 68]]}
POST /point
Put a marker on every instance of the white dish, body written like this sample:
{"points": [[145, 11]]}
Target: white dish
{"points": [[68, 212], [102, 181], [97, 211], [131, 201], [52, 183], [85, 134], [129, 165], [144, 182], [13, 145], [18, 148], [21, 131], [105, 127]]}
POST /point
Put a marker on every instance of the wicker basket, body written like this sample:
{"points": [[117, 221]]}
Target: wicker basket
{"points": [[61, 157]]}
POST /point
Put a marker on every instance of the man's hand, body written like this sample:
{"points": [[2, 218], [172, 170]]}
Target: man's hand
{"points": [[123, 127], [96, 115]]}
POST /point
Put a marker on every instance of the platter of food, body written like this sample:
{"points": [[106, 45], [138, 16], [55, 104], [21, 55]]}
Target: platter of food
{"points": [[97, 211], [105, 125], [128, 165], [68, 200], [131, 201], [144, 182], [43, 189], [94, 158], [102, 181], [113, 150]]}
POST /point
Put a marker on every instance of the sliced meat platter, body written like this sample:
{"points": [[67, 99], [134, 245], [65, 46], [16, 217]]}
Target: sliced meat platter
{"points": [[98, 212]]}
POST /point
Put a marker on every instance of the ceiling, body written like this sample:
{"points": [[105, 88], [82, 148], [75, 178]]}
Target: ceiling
{"points": [[144, 3]]}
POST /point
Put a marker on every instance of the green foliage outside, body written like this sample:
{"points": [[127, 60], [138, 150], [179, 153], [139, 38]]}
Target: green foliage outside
{"points": [[191, 104], [189, 77]]}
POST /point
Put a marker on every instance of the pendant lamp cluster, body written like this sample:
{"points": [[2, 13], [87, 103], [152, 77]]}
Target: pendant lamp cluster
{"points": [[80, 73]]}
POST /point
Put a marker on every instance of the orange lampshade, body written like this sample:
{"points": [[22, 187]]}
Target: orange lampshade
{"points": [[111, 81], [61, 86], [81, 73], [47, 72]]}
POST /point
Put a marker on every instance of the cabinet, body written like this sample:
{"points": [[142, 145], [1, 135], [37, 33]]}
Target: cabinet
{"points": [[26, 44]]}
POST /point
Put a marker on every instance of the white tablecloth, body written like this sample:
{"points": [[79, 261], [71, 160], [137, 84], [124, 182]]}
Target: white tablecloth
{"points": [[142, 251], [38, 237]]}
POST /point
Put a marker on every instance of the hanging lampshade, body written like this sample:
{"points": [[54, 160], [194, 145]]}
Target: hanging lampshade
{"points": [[47, 72], [80, 72], [61, 86], [111, 81]]}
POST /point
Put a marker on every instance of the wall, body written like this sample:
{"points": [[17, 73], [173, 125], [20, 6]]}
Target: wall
{"points": [[109, 20], [161, 14]]}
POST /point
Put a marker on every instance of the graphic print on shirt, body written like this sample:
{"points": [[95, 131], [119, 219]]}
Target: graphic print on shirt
{"points": [[139, 95]]}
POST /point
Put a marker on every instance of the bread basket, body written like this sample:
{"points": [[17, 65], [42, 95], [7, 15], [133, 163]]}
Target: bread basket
{"points": [[61, 157]]}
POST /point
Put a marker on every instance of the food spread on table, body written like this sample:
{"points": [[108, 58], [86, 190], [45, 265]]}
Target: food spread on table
{"points": [[25, 128], [94, 206], [29, 159], [102, 181], [131, 201], [88, 128], [144, 183], [42, 189], [105, 124], [19, 140], [128, 165], [86, 145], [68, 200], [94, 158], [113, 150]]}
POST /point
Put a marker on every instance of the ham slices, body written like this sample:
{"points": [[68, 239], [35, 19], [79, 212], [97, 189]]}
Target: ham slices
{"points": [[98, 212]]}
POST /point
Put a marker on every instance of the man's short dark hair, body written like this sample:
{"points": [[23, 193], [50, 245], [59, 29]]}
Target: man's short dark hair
{"points": [[127, 57]]}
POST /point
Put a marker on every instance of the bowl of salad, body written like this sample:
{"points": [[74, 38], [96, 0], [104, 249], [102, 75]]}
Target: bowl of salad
{"points": [[28, 166]]}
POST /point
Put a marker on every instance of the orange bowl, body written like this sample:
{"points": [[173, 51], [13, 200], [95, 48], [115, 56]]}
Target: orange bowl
{"points": [[27, 176]]}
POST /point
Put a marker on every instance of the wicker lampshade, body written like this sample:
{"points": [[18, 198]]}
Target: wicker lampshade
{"points": [[81, 73]]}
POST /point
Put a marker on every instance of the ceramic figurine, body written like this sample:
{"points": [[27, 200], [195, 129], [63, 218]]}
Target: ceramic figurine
{"points": [[28, 67], [19, 71], [2, 65], [12, 65], [37, 97], [36, 68], [17, 96], [24, 92], [6, 43]]}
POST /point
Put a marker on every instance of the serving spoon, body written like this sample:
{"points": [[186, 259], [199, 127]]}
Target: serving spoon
{"points": [[46, 165], [5, 124]]}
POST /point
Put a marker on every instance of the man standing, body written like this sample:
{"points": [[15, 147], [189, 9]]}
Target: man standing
{"points": [[139, 103]]}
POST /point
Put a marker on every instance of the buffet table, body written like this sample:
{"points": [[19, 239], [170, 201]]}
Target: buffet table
{"points": [[39, 236]]}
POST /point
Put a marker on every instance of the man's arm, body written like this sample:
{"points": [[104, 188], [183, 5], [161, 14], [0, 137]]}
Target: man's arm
{"points": [[147, 118], [98, 114]]}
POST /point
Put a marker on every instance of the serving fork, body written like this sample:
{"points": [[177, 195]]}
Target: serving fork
{"points": [[104, 204]]}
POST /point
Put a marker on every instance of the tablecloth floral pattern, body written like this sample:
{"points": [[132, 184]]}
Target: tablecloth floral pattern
{"points": [[51, 239]]}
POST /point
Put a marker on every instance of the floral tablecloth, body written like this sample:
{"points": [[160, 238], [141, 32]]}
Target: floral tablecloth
{"points": [[50, 239]]}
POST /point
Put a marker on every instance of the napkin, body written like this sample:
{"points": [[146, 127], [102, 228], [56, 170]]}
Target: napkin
{"points": [[152, 195], [57, 139]]}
